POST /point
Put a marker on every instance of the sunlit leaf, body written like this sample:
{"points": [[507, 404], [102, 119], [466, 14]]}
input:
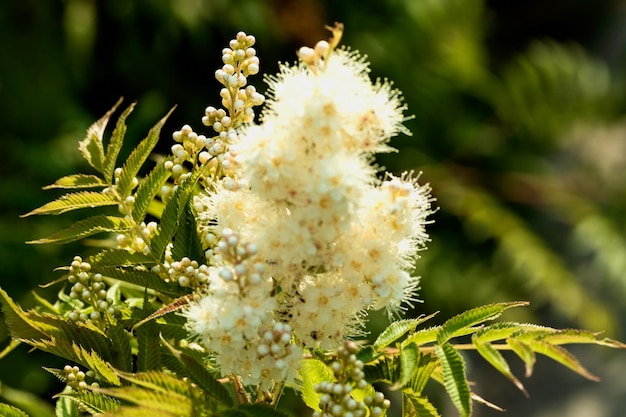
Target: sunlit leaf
{"points": [[138, 156], [497, 361], [416, 406], [313, 371], [201, 376], [398, 329], [88, 227], [455, 381], [469, 318], [75, 201], [92, 147], [115, 144], [77, 181]]}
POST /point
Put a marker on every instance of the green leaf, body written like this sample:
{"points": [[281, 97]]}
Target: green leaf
{"points": [[409, 362], [575, 336], [121, 257], [75, 201], [414, 406], [65, 407], [7, 410], [148, 356], [455, 381], [138, 156], [424, 336], [148, 189], [93, 402], [425, 367], [91, 147], [77, 181], [459, 323], [115, 144], [186, 241], [87, 227], [201, 376], [562, 356], [502, 331], [170, 218], [313, 371], [141, 277], [162, 401], [497, 361], [21, 325], [121, 352], [13, 343], [525, 353], [398, 329]]}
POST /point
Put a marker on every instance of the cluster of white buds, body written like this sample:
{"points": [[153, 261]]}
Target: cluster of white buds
{"points": [[90, 291], [186, 272], [189, 147], [138, 242], [337, 399], [77, 379], [240, 61]]}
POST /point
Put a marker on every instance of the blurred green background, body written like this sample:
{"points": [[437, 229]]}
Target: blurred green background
{"points": [[519, 127]]}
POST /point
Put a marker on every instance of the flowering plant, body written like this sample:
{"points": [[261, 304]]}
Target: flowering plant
{"points": [[246, 262]]}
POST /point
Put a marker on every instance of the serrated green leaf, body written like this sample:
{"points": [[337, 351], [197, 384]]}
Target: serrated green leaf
{"points": [[426, 366], [75, 201], [424, 336], [138, 156], [148, 356], [418, 407], [92, 402], [148, 189], [115, 144], [121, 352], [409, 361], [186, 240], [576, 336], [459, 323], [121, 257], [21, 325], [77, 181], [455, 380], [502, 331], [61, 376], [398, 329], [7, 410], [143, 278], [525, 353], [13, 343], [170, 218], [103, 371], [562, 356], [497, 361], [385, 370], [165, 401], [201, 376], [65, 407], [91, 147], [313, 371], [87, 227]]}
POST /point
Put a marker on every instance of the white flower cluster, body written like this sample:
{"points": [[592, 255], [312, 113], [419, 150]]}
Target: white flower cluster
{"points": [[301, 236]]}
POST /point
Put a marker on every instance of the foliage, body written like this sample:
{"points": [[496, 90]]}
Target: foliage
{"points": [[118, 327]]}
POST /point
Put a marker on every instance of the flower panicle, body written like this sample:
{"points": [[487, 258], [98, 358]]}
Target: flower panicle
{"points": [[301, 219]]}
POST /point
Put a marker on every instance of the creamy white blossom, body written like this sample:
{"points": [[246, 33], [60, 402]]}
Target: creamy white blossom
{"points": [[329, 239]]}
